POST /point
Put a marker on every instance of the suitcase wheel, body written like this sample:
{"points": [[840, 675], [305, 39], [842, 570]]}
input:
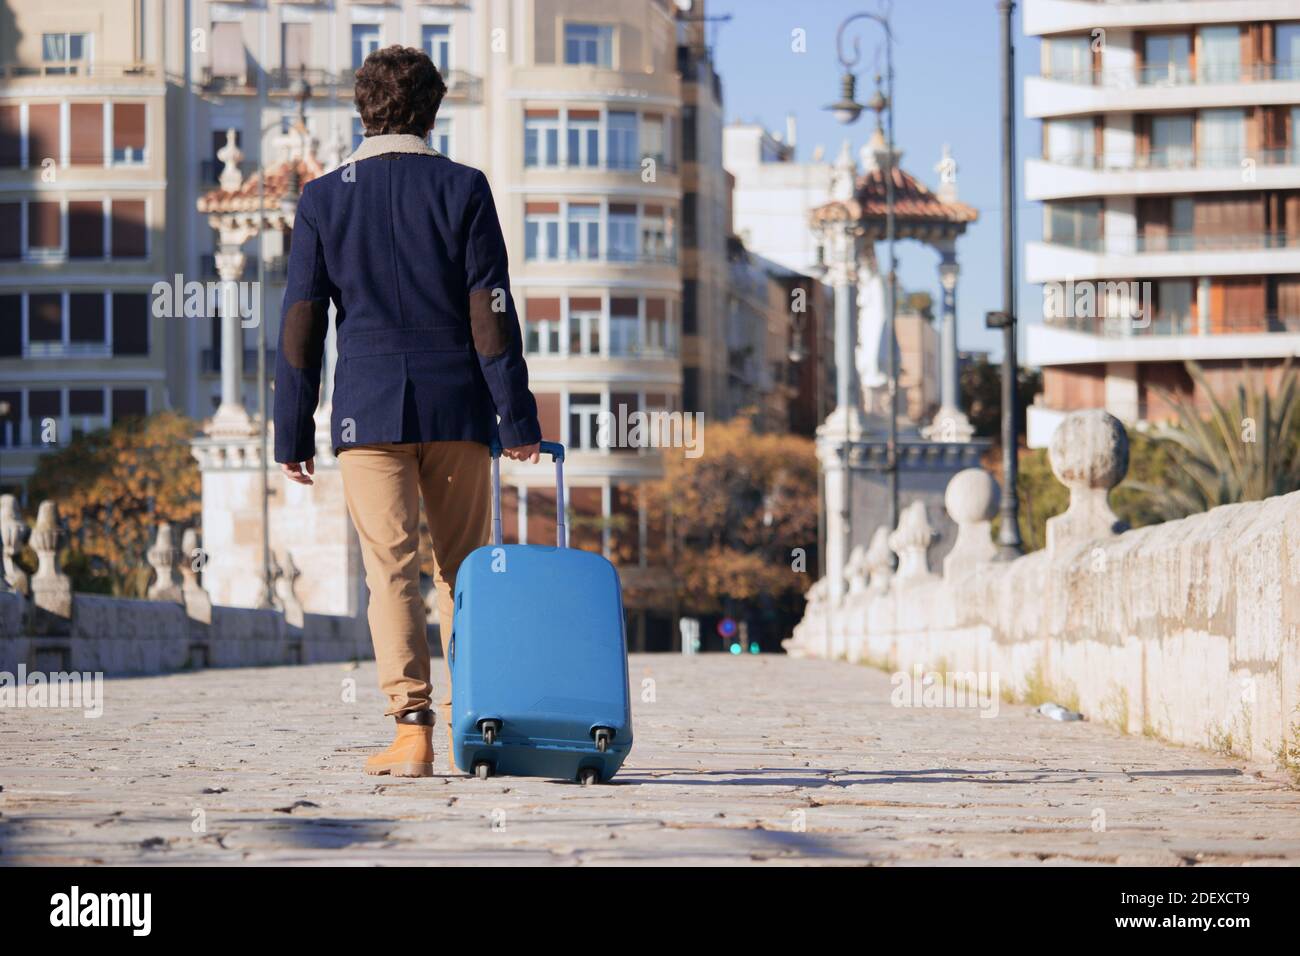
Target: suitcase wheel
{"points": [[588, 775], [603, 736], [490, 730], [482, 770]]}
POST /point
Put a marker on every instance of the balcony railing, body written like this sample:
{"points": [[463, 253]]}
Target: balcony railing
{"points": [[1179, 242], [275, 270], [661, 163], [1180, 157], [1128, 327], [1173, 74], [210, 361], [462, 86], [78, 68]]}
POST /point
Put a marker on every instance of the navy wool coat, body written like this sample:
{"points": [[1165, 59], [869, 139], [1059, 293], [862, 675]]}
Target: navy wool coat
{"points": [[407, 245]]}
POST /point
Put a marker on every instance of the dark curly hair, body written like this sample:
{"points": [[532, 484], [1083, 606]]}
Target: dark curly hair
{"points": [[398, 90]]}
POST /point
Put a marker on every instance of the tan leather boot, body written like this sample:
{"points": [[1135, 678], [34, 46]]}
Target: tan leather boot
{"points": [[411, 752]]}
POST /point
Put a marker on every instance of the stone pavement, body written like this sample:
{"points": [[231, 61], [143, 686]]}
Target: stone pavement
{"points": [[737, 760]]}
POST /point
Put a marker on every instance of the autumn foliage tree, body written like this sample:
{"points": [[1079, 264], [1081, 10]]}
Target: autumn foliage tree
{"points": [[113, 486], [741, 521]]}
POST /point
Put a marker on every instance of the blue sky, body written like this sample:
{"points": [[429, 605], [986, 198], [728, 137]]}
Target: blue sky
{"points": [[947, 90]]}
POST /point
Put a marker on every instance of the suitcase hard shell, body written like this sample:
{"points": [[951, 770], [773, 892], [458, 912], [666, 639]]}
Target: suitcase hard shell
{"points": [[538, 657]]}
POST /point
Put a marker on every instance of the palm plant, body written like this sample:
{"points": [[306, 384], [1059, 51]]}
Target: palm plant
{"points": [[1246, 449]]}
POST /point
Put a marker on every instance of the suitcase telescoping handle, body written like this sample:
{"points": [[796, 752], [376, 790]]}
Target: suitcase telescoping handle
{"points": [[556, 451]]}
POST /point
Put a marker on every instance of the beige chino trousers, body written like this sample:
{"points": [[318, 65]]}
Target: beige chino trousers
{"points": [[383, 485]]}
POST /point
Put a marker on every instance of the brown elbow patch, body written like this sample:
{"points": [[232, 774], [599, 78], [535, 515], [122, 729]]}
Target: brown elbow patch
{"points": [[305, 325], [490, 326]]}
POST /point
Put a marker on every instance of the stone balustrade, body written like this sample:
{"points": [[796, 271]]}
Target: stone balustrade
{"points": [[1187, 630], [45, 625]]}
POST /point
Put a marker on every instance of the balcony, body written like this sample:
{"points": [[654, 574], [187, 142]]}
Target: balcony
{"points": [[78, 69], [1171, 256], [1081, 16], [661, 164], [1174, 74], [1180, 170], [1048, 96], [462, 86]]}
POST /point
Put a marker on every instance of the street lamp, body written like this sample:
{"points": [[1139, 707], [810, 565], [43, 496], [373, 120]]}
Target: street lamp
{"points": [[1009, 543], [847, 110]]}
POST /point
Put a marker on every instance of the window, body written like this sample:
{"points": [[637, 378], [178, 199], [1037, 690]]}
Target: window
{"points": [[622, 140], [1286, 47], [584, 325], [229, 58], [440, 135], [1219, 55], [688, 134], [64, 52], [690, 295], [583, 138], [1174, 298], [541, 230], [584, 231], [11, 230], [130, 323], [11, 414], [86, 134], [1074, 223], [659, 338], [1221, 137], [1171, 141], [654, 142], [435, 39], [129, 403], [365, 41], [622, 232], [358, 132], [624, 327], [44, 230], [43, 133], [1069, 58], [86, 410], [542, 326], [542, 137], [656, 235], [1167, 59], [295, 47], [584, 407], [688, 220], [1070, 141], [128, 133], [43, 404], [129, 232], [590, 44]]}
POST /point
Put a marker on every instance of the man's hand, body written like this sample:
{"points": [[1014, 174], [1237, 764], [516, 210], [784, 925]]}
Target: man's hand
{"points": [[531, 453], [300, 472]]}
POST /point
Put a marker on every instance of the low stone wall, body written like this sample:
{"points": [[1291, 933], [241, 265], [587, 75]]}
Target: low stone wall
{"points": [[1187, 630], [46, 627]]}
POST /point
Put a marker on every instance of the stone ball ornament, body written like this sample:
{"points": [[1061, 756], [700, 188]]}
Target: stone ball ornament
{"points": [[972, 495], [1089, 449]]}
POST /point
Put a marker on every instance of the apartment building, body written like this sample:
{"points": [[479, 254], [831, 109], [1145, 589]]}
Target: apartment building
{"points": [[83, 183], [1170, 184], [706, 221]]}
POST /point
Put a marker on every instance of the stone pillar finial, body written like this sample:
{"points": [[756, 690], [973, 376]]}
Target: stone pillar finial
{"points": [[162, 557], [51, 588], [880, 561], [855, 572], [13, 533], [911, 542], [971, 500], [230, 155], [198, 603], [1089, 455], [285, 573]]}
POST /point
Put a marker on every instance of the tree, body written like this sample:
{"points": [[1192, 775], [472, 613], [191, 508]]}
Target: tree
{"points": [[736, 516], [981, 395], [1246, 449], [113, 487]]}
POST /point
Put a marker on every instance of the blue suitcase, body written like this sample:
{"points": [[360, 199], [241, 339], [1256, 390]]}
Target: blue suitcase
{"points": [[538, 656]]}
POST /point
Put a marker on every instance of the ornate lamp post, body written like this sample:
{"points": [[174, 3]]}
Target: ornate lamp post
{"points": [[847, 110]]}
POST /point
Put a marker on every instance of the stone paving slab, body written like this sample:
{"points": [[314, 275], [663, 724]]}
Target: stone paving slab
{"points": [[737, 761]]}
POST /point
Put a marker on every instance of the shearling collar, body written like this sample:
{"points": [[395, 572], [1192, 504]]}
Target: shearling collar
{"points": [[391, 143]]}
